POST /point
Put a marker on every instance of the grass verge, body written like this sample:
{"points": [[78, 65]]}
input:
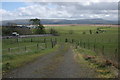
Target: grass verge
{"points": [[103, 68], [16, 60]]}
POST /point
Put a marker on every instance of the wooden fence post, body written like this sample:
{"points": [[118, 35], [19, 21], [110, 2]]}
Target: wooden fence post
{"points": [[24, 39], [94, 47], [44, 40], [37, 46], [80, 43], [45, 45], [9, 50], [72, 40], [66, 40], [55, 41], [84, 44], [103, 50], [25, 48], [31, 40], [116, 50], [116, 53], [88, 44], [17, 40], [52, 44]]}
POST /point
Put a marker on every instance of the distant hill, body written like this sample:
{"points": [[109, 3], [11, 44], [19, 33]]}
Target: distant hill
{"points": [[61, 21]]}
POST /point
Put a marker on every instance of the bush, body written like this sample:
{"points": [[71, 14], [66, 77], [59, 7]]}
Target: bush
{"points": [[39, 30], [23, 31], [54, 32], [90, 31], [6, 31]]}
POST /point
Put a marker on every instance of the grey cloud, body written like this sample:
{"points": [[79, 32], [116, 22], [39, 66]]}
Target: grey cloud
{"points": [[76, 9], [71, 10], [81, 6]]}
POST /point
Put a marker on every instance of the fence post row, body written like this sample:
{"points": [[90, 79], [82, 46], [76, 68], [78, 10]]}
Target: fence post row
{"points": [[80, 43]]}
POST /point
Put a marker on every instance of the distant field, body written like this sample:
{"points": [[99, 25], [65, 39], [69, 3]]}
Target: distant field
{"points": [[81, 25], [79, 29]]}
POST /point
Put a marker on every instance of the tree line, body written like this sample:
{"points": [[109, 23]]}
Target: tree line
{"points": [[38, 29]]}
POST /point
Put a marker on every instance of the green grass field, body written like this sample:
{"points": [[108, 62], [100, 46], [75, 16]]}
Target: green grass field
{"points": [[105, 44], [107, 40]]}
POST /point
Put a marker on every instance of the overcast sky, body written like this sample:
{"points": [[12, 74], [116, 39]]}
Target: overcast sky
{"points": [[60, 10]]}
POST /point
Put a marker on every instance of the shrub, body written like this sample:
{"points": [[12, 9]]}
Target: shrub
{"points": [[90, 31], [6, 31], [54, 32]]}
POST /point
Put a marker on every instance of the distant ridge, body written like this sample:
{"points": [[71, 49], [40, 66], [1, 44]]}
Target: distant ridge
{"points": [[61, 21]]}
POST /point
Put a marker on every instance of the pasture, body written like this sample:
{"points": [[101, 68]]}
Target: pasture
{"points": [[105, 43], [107, 40], [102, 43]]}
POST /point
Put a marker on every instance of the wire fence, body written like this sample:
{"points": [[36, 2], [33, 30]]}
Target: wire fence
{"points": [[100, 49], [24, 49], [44, 44], [110, 52]]}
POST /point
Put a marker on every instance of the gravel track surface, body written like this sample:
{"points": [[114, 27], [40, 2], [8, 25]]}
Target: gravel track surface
{"points": [[59, 64]]}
